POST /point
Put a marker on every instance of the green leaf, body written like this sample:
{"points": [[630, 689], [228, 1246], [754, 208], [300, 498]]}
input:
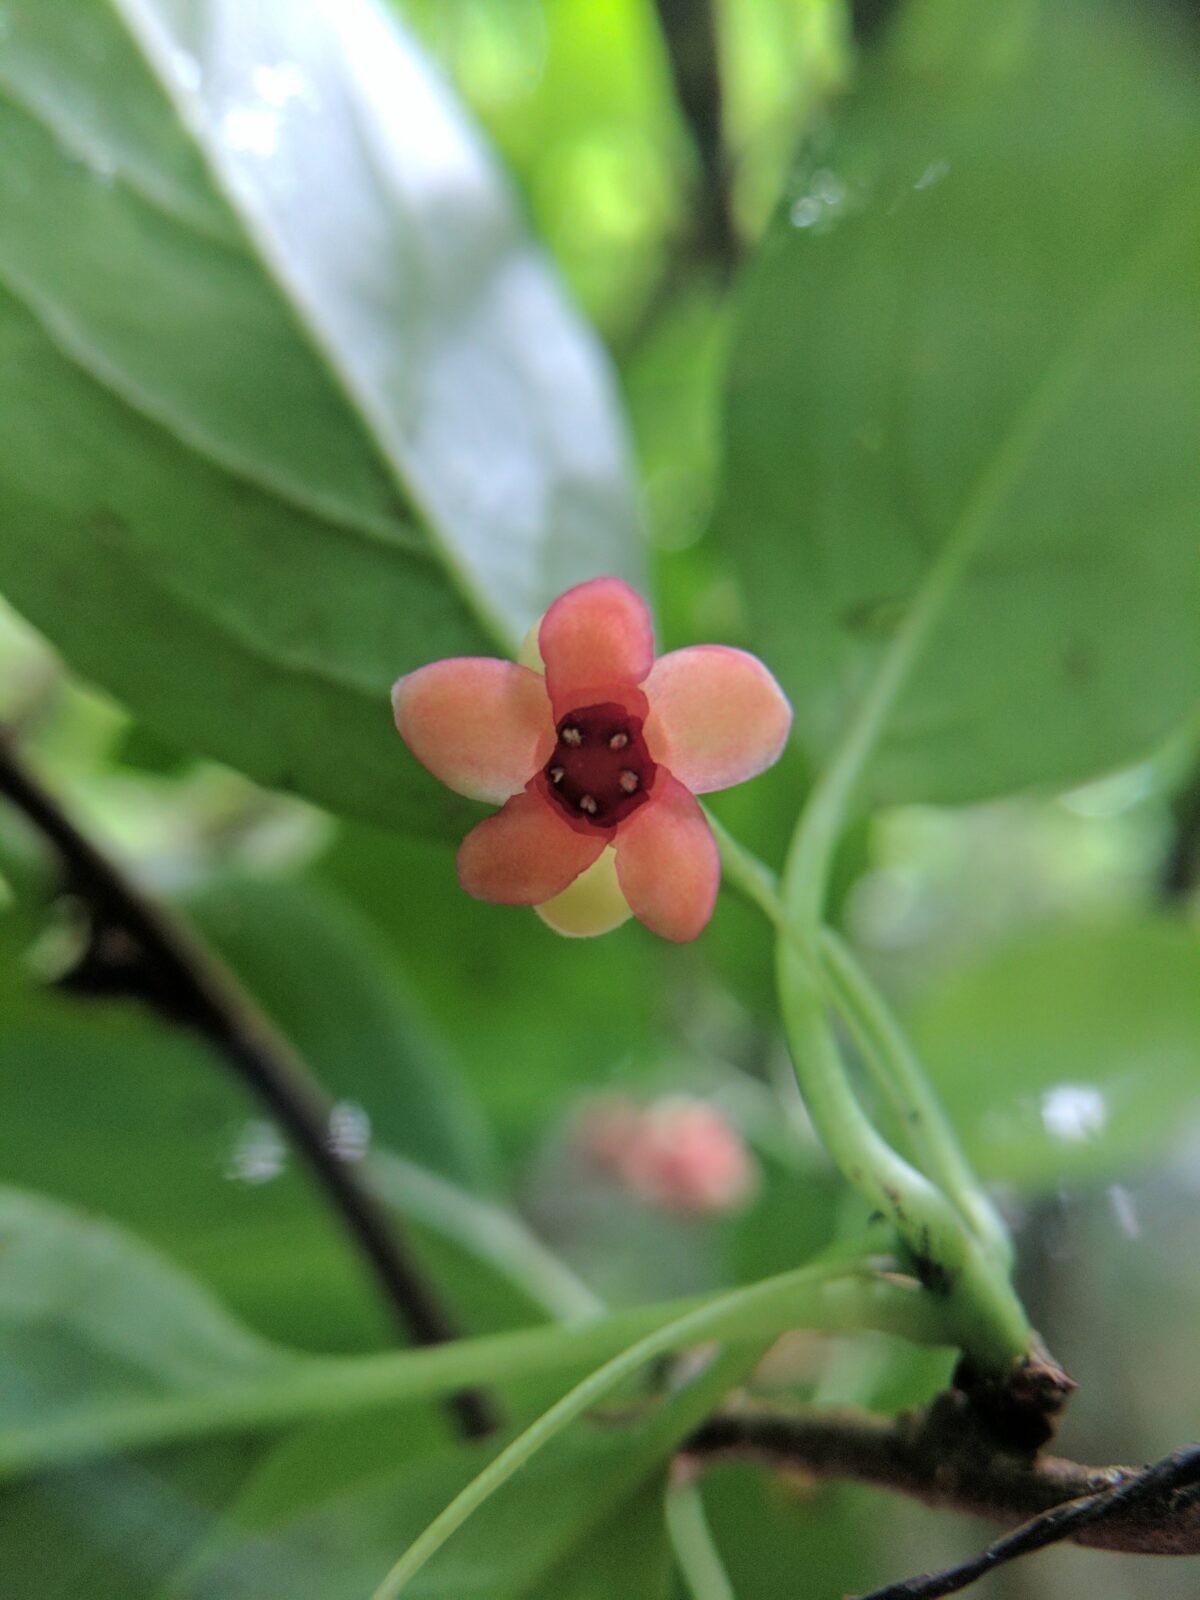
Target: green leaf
{"points": [[89, 1318], [317, 1524], [301, 408], [975, 322], [70, 1286], [534, 1018], [110, 1111], [1070, 1055], [325, 977]]}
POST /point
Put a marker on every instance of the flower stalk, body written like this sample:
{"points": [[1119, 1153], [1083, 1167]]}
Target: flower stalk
{"points": [[958, 1243]]}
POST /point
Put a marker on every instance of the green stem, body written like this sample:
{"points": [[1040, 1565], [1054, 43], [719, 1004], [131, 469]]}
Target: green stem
{"points": [[304, 1389], [493, 1235], [885, 1048], [884, 1042], [982, 1312], [696, 1554], [798, 1299], [968, 1271]]}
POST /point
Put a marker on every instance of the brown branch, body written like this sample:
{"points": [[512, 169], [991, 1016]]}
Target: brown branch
{"points": [[689, 29], [1175, 1475], [942, 1459], [140, 949]]}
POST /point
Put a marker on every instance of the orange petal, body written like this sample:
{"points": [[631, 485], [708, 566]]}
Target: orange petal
{"points": [[667, 862], [598, 632], [483, 727], [717, 716], [526, 853]]}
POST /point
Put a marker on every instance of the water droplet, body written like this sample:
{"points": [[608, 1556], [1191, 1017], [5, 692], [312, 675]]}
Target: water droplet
{"points": [[828, 188], [824, 203], [1074, 1112], [281, 83], [254, 131], [806, 212], [933, 173], [1124, 1211], [349, 1130], [259, 1154]]}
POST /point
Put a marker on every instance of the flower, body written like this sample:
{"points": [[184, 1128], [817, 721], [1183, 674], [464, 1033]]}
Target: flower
{"points": [[596, 763], [678, 1154]]}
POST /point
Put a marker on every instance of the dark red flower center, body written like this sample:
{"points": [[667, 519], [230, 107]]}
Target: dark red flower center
{"points": [[600, 770]]}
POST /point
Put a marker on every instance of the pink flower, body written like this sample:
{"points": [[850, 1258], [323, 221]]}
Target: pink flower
{"points": [[597, 762], [678, 1154]]}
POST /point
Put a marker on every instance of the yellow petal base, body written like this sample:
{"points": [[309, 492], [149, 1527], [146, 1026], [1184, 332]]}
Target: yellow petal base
{"points": [[592, 905]]}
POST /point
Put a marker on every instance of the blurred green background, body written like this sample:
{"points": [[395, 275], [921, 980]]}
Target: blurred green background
{"points": [[860, 272]]}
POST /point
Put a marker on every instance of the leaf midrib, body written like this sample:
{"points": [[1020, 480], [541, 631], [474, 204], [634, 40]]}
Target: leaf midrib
{"points": [[150, 40]]}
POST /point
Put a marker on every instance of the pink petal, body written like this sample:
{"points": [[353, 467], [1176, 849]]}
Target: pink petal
{"points": [[717, 716], [599, 632], [526, 853], [667, 862], [483, 727]]}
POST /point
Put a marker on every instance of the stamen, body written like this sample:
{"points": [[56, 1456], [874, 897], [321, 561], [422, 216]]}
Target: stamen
{"points": [[600, 770]]}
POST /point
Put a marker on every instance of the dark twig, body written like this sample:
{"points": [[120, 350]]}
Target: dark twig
{"points": [[140, 949], [690, 31], [1181, 870], [941, 1459], [870, 19], [1178, 1471]]}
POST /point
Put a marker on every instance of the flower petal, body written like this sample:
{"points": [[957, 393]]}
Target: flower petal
{"points": [[667, 862], [593, 904], [598, 632], [526, 853], [717, 716], [483, 727]]}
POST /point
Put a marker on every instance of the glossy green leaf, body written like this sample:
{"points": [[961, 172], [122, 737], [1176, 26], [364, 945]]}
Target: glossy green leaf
{"points": [[1071, 1055], [324, 976], [300, 408], [976, 321]]}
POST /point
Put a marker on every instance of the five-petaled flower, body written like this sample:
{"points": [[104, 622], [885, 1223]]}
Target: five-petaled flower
{"points": [[597, 762]]}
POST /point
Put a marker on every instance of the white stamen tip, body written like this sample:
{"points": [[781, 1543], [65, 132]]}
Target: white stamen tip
{"points": [[572, 736], [628, 781], [587, 803], [557, 774], [618, 741]]}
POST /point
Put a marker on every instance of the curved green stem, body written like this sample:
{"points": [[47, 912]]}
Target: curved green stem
{"points": [[696, 1554], [293, 1389], [959, 1244], [809, 1297], [489, 1232], [883, 1042], [885, 1049], [981, 1310]]}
